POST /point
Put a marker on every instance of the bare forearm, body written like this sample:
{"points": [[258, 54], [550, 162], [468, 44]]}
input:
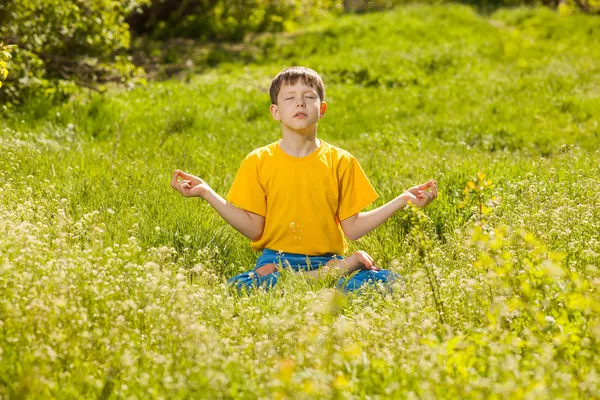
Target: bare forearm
{"points": [[364, 223], [238, 218]]}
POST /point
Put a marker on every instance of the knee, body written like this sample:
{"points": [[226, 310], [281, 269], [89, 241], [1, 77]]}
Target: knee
{"points": [[241, 281], [251, 279], [265, 269]]}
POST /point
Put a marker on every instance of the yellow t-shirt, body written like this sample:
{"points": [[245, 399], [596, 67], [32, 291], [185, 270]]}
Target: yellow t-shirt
{"points": [[303, 199]]}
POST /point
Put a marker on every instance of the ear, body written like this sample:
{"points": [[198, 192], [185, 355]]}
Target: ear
{"points": [[322, 109], [275, 112]]}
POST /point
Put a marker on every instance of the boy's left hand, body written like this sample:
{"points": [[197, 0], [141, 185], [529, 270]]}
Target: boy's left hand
{"points": [[421, 195]]}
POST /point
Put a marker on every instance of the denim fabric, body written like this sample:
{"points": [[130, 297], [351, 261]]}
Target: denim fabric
{"points": [[366, 277], [298, 262], [250, 280], [301, 262]]}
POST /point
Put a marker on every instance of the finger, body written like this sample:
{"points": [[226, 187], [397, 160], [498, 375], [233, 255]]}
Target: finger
{"points": [[422, 200], [373, 266], [371, 259], [425, 186], [415, 191], [186, 176], [365, 261], [434, 187], [185, 186], [174, 179], [428, 197]]}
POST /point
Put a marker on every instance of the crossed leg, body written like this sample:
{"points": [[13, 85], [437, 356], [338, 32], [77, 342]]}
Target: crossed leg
{"points": [[368, 272], [356, 261]]}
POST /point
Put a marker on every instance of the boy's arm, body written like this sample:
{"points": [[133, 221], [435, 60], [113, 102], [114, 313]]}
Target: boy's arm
{"points": [[249, 224], [361, 223]]}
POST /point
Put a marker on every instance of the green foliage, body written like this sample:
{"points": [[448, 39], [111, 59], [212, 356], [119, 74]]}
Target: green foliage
{"points": [[4, 59], [569, 7], [483, 5], [63, 43], [478, 192], [374, 5], [230, 20], [534, 295]]}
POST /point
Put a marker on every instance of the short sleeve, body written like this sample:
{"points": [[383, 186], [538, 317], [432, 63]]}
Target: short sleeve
{"points": [[356, 191], [246, 190]]}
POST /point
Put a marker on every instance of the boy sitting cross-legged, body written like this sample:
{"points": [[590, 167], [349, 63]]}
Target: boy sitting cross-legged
{"points": [[297, 198]]}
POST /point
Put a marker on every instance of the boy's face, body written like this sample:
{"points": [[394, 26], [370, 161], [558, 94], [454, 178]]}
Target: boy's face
{"points": [[298, 106]]}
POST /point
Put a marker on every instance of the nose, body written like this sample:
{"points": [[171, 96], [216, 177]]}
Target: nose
{"points": [[300, 103]]}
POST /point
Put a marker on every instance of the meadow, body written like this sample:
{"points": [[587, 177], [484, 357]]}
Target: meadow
{"points": [[114, 286]]}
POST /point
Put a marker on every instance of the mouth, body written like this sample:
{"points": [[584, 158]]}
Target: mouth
{"points": [[301, 114]]}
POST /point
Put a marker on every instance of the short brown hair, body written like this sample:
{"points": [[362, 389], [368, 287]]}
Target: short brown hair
{"points": [[291, 75]]}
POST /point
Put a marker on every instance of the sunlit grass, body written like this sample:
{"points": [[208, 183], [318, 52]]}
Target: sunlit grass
{"points": [[112, 285]]}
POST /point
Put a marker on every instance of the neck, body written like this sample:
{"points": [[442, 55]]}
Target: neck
{"points": [[299, 144]]}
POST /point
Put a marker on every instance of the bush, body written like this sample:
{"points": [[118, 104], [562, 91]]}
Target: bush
{"points": [[224, 19], [4, 58], [65, 42]]}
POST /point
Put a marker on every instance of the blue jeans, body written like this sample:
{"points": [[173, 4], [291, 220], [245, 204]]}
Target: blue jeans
{"points": [[301, 262]]}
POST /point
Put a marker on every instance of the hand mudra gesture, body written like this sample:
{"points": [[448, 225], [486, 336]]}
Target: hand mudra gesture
{"points": [[188, 185], [422, 195]]}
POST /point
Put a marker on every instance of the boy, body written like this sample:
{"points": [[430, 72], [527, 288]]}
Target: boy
{"points": [[297, 198]]}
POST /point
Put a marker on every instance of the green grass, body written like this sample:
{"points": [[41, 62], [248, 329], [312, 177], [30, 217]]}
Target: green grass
{"points": [[113, 285]]}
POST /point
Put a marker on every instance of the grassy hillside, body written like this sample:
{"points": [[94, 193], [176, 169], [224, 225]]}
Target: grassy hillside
{"points": [[114, 286]]}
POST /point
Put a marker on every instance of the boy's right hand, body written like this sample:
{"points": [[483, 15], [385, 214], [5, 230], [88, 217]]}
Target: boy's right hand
{"points": [[189, 185]]}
